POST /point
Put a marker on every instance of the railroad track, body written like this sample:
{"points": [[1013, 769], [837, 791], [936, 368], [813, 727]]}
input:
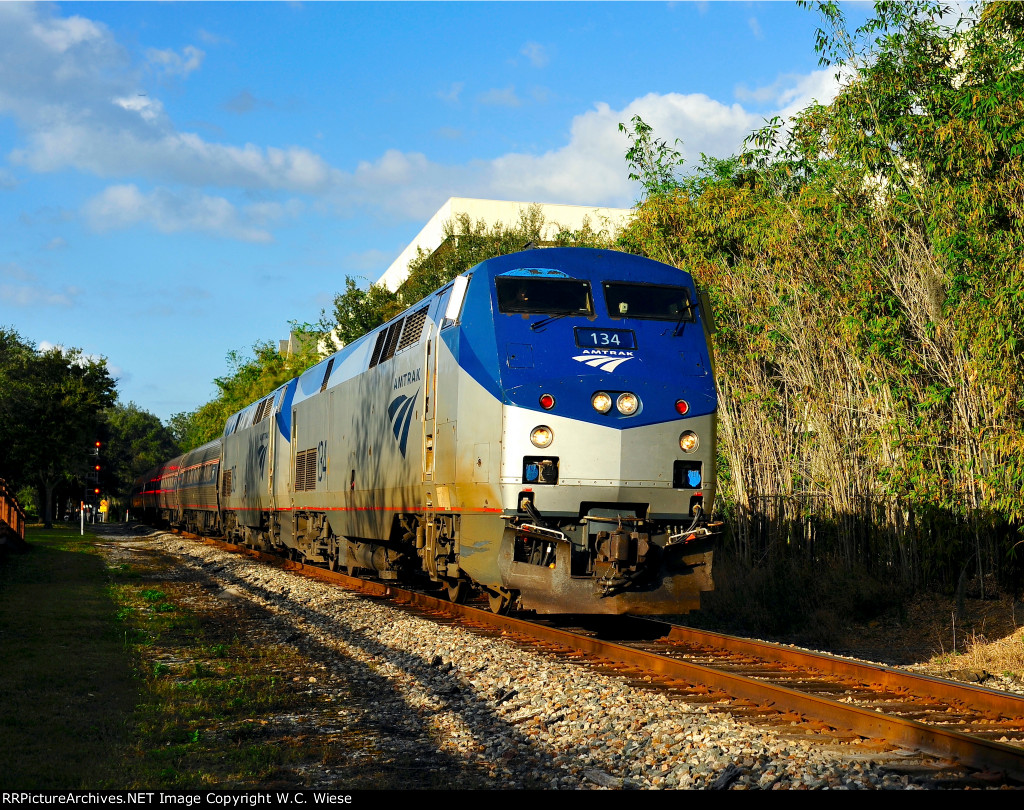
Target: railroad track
{"points": [[846, 700]]}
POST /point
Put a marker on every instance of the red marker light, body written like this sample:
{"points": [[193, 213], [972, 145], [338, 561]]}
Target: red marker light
{"points": [[682, 406], [547, 402]]}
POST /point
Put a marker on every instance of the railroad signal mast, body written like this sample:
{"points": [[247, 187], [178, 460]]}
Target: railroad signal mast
{"points": [[92, 477]]}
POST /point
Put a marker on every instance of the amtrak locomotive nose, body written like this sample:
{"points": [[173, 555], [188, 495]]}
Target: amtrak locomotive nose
{"points": [[542, 429]]}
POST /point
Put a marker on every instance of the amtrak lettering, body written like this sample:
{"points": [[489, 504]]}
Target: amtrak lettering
{"points": [[403, 380]]}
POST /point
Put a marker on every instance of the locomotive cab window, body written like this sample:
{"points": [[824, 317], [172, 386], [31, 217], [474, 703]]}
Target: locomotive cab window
{"points": [[656, 302], [547, 296]]}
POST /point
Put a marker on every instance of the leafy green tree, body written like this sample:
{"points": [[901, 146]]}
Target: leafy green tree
{"points": [[466, 243], [249, 378], [16, 357], [358, 311], [52, 403], [135, 441], [652, 162], [864, 260]]}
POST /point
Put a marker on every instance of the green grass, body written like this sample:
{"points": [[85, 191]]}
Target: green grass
{"points": [[65, 674], [119, 676]]}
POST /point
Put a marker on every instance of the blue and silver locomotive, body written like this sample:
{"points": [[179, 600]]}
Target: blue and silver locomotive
{"points": [[541, 429]]}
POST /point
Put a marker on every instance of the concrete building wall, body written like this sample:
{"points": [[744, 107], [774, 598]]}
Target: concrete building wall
{"points": [[492, 212]]}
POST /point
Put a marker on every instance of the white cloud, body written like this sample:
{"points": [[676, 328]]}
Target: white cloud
{"points": [[60, 35], [124, 206], [83, 357], [500, 97], [211, 38], [77, 98], [536, 53], [451, 95], [172, 63], [21, 288], [589, 169], [268, 213], [755, 28], [15, 271], [37, 295]]}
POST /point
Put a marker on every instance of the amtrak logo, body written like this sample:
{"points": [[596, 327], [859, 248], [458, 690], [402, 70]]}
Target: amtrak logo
{"points": [[604, 362], [261, 454], [400, 414]]}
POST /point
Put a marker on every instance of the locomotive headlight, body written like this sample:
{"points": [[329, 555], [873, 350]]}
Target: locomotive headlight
{"points": [[688, 441], [602, 402], [541, 436], [627, 404]]}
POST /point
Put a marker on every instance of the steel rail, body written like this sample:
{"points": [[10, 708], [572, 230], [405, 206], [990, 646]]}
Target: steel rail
{"points": [[990, 702], [912, 734]]}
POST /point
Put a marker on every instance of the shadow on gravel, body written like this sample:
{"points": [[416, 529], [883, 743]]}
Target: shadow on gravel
{"points": [[500, 749]]}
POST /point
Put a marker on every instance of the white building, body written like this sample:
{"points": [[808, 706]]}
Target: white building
{"points": [[556, 218]]}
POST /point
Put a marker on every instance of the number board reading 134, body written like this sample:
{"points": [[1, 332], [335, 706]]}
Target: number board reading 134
{"points": [[605, 338]]}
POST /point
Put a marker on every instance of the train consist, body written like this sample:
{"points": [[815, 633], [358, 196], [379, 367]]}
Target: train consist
{"points": [[541, 429]]}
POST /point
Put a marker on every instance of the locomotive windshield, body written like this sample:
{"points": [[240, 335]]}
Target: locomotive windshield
{"points": [[657, 302], [562, 296]]}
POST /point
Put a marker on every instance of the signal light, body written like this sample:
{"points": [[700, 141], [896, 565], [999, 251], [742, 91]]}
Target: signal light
{"points": [[547, 402], [682, 406]]}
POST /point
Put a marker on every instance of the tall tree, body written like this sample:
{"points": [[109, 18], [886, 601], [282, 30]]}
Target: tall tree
{"points": [[249, 379], [51, 402], [136, 440], [466, 243]]}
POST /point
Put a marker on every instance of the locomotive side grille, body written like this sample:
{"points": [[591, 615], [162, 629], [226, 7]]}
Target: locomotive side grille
{"points": [[300, 471], [327, 375], [311, 468], [378, 347], [263, 410], [227, 482], [393, 332], [413, 329], [305, 470]]}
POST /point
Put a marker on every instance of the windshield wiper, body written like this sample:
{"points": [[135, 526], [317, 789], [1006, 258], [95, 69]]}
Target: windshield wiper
{"points": [[685, 318], [555, 317]]}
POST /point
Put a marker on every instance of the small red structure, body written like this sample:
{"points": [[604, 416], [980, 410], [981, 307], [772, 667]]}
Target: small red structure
{"points": [[12, 517]]}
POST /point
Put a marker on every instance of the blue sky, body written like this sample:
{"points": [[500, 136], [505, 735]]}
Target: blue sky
{"points": [[180, 180]]}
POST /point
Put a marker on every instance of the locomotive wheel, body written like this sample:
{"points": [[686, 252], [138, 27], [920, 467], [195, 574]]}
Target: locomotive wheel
{"points": [[498, 602], [458, 592]]}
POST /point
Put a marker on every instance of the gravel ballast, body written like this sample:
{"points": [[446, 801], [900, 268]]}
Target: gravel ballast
{"points": [[515, 717]]}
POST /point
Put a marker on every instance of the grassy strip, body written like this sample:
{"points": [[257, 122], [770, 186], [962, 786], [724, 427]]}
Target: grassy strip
{"points": [[109, 681], [210, 696], [125, 675], [65, 675]]}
